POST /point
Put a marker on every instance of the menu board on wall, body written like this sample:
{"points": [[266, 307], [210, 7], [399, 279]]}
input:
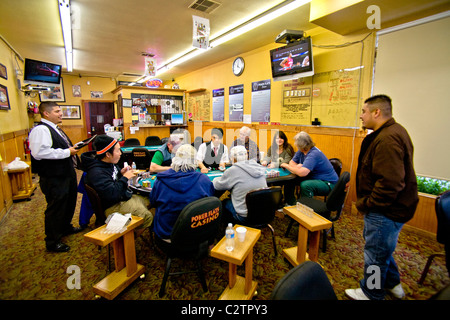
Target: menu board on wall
{"points": [[296, 108], [236, 103], [198, 106], [261, 101], [331, 97], [335, 98], [218, 104]]}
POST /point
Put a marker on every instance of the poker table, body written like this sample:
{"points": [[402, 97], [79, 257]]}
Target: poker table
{"points": [[129, 149], [143, 182]]}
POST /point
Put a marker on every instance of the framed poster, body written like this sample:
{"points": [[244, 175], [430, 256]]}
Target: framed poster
{"points": [[56, 93], [3, 72], [71, 112], [4, 99]]}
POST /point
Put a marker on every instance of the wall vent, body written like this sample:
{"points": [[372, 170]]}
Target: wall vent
{"points": [[205, 6]]}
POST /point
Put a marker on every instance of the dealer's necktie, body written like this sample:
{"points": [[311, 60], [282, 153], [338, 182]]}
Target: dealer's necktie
{"points": [[66, 139]]}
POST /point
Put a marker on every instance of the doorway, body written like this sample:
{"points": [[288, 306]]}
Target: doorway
{"points": [[97, 115]]}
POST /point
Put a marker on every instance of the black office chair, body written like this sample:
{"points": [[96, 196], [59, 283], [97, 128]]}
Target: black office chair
{"points": [[337, 165], [262, 205], [197, 142], [100, 216], [442, 207], [96, 204], [164, 140], [307, 281], [191, 241], [334, 203], [153, 141], [131, 142], [142, 157]]}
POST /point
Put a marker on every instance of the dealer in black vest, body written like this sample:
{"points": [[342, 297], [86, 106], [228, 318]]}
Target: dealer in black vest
{"points": [[213, 155], [54, 158]]}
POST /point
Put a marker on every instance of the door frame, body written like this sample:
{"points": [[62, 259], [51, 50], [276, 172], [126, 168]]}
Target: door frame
{"points": [[87, 113]]}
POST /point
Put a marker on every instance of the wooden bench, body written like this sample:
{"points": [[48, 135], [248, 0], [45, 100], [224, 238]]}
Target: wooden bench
{"points": [[126, 268]]}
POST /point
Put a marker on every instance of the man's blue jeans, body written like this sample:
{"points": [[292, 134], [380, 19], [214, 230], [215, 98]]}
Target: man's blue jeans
{"points": [[380, 269]]}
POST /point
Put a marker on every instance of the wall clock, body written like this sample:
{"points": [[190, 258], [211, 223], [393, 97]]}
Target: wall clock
{"points": [[238, 66]]}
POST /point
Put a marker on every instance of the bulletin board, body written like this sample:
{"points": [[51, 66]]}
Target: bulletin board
{"points": [[199, 106], [331, 97]]}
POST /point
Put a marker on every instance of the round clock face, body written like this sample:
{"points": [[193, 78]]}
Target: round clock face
{"points": [[238, 66]]}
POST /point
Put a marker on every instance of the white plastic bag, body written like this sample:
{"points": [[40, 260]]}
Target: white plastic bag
{"points": [[16, 164]]}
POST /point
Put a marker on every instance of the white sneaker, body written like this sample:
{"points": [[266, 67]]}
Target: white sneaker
{"points": [[356, 294], [397, 291]]}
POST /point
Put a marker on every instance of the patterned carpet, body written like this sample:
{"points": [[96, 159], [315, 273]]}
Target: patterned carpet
{"points": [[28, 272]]}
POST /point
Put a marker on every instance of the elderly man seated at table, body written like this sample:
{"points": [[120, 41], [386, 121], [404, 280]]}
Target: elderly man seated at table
{"points": [[317, 174], [162, 158], [177, 187], [111, 182], [213, 154], [243, 176], [250, 146]]}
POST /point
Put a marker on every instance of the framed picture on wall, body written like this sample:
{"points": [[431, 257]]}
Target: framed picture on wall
{"points": [[56, 93], [3, 72], [4, 99], [71, 112]]}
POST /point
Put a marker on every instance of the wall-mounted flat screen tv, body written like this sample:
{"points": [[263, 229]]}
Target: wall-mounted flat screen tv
{"points": [[40, 72], [292, 61]]}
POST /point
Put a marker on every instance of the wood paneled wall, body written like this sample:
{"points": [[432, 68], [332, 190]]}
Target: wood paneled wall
{"points": [[333, 142]]}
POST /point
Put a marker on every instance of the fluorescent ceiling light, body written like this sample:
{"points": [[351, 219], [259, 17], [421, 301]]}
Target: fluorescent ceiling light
{"points": [[235, 32], [66, 24]]}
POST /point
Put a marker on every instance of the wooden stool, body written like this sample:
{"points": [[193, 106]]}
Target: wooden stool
{"points": [[238, 288], [127, 270], [313, 224], [21, 184]]}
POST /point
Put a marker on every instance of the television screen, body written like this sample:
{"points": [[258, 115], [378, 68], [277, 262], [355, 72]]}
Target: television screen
{"points": [[41, 72], [177, 118], [292, 61]]}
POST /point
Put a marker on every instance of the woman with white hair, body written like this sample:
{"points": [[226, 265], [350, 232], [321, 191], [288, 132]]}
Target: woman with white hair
{"points": [[177, 187], [310, 164], [243, 176]]}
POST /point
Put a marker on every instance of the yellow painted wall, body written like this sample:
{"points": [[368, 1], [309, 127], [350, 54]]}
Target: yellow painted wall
{"points": [[15, 119], [257, 67]]}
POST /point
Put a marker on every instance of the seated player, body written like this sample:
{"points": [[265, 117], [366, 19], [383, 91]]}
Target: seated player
{"points": [[111, 183], [317, 174], [243, 176], [177, 187], [213, 154], [279, 152], [250, 146], [162, 158]]}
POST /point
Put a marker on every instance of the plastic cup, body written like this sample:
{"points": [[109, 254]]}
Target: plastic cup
{"points": [[241, 231]]}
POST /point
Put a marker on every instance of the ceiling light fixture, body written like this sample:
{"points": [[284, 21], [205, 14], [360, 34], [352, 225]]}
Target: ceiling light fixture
{"points": [[234, 32], [66, 24]]}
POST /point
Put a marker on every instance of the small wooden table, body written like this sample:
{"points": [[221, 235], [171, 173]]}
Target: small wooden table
{"points": [[127, 270], [314, 224], [22, 186], [238, 288]]}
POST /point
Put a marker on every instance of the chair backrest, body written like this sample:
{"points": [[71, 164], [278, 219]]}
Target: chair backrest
{"points": [[307, 281], [198, 222], [141, 157], [96, 204], [153, 141], [197, 142], [164, 140], [262, 204], [336, 198], [442, 206], [131, 142], [337, 165]]}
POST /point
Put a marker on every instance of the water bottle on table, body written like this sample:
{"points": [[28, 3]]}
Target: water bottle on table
{"points": [[229, 234]]}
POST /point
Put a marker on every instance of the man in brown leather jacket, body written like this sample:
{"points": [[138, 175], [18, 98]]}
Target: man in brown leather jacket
{"points": [[386, 189]]}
